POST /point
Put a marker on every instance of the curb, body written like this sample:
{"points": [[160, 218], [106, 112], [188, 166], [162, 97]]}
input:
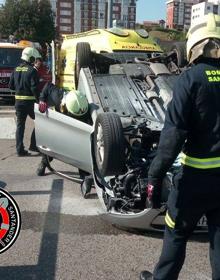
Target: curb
{"points": [[2, 112]]}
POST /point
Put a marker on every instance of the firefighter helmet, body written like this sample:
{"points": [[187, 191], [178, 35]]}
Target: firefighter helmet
{"points": [[199, 34], [76, 103], [30, 54]]}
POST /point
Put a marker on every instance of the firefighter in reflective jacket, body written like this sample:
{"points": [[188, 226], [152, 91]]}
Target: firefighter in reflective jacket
{"points": [[24, 80], [192, 124]]}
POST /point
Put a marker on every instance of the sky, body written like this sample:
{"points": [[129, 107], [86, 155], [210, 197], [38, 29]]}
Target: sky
{"points": [[150, 10]]}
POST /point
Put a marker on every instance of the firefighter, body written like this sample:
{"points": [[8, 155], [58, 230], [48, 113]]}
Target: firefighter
{"points": [[73, 104], [192, 125], [24, 81]]}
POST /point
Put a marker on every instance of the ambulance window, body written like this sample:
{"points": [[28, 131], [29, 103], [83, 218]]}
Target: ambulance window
{"points": [[142, 32], [118, 31]]}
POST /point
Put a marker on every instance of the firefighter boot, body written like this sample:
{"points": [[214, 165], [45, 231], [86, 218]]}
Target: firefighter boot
{"points": [[41, 169], [146, 275]]}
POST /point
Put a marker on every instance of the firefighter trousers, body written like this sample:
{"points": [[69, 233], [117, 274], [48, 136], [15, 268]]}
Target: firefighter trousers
{"points": [[195, 193], [24, 109]]}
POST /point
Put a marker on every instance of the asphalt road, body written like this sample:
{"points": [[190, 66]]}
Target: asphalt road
{"points": [[64, 236]]}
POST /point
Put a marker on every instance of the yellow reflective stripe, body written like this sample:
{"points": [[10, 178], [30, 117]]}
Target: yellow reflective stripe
{"points": [[21, 69], [169, 221], [22, 97], [202, 163]]}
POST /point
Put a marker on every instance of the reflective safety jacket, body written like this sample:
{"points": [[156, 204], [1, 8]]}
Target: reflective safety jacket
{"points": [[192, 122], [24, 80]]}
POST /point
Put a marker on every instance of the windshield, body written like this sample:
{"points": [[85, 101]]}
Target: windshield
{"points": [[10, 57]]}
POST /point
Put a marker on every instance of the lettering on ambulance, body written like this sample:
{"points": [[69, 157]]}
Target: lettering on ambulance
{"points": [[213, 75], [138, 47]]}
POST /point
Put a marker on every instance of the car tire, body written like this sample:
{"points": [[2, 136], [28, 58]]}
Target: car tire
{"points": [[83, 59], [180, 49], [109, 144]]}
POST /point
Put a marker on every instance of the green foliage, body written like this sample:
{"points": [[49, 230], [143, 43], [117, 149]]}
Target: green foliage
{"points": [[162, 33], [27, 19], [177, 35]]}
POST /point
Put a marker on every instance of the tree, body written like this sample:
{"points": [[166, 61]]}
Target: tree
{"points": [[28, 19], [44, 25]]}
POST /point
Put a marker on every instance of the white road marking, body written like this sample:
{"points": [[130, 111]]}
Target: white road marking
{"points": [[7, 128]]}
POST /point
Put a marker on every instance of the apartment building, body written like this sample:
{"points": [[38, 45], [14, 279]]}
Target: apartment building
{"points": [[203, 8], [82, 15], [179, 13]]}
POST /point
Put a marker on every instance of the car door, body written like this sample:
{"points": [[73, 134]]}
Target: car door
{"points": [[64, 138]]}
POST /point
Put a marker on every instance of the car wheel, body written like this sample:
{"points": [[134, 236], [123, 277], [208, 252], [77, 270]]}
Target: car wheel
{"points": [[180, 49], [83, 59], [109, 145]]}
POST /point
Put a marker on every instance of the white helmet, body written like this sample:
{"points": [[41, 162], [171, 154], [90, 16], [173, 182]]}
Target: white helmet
{"points": [[30, 54], [76, 103], [207, 28]]}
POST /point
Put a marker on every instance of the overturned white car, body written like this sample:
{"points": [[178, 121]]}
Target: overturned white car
{"points": [[128, 97]]}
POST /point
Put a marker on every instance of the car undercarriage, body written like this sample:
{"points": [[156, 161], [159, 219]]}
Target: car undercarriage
{"points": [[129, 100]]}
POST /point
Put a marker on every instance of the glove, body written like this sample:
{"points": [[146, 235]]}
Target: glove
{"points": [[154, 196], [42, 106]]}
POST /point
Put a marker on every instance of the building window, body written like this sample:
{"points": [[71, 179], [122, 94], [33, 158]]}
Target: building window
{"points": [[115, 8], [65, 5], [116, 16], [65, 20], [85, 14], [65, 28], [65, 13]]}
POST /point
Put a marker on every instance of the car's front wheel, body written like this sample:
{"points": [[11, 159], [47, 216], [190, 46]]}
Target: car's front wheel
{"points": [[109, 144]]}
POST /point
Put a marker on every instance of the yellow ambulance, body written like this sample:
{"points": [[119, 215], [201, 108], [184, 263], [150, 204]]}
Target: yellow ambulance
{"points": [[98, 49]]}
